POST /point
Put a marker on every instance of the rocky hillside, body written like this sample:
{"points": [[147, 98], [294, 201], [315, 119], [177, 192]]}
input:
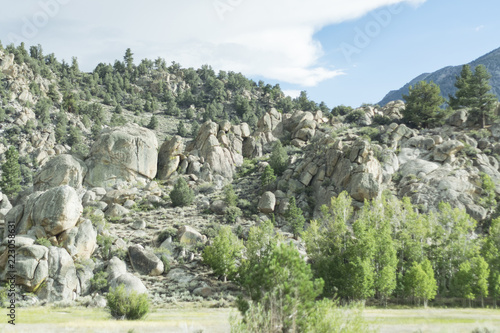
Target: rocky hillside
{"points": [[445, 78], [101, 152]]}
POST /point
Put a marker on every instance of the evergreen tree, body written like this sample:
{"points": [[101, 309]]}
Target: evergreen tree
{"points": [[195, 127], [230, 197], [423, 105], [181, 130], [181, 195], [295, 218], [61, 127], [463, 94], [224, 252], [129, 59], [153, 123], [483, 102], [267, 176], [474, 93], [279, 158], [10, 182]]}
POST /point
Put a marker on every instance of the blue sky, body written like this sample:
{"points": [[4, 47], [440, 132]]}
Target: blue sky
{"points": [[340, 52]]}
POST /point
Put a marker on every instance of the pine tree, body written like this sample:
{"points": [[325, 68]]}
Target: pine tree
{"points": [[483, 101], [61, 127], [153, 123], [181, 129], [295, 218], [423, 105], [463, 94], [195, 127], [267, 176], [181, 195], [474, 93], [279, 158], [10, 182]]}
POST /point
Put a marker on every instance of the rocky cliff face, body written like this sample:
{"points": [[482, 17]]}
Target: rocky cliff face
{"points": [[108, 210]]}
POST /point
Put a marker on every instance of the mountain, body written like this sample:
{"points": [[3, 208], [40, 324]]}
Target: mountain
{"points": [[445, 77]]}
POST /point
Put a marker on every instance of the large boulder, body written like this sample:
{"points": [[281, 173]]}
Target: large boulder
{"points": [[189, 236], [169, 157], [145, 262], [60, 170], [116, 267], [267, 203], [446, 151], [62, 282], [31, 266], [130, 282], [57, 210], [80, 241], [126, 153]]}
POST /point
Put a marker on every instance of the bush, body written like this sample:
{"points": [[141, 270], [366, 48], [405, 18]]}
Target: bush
{"points": [[99, 282], [131, 306], [44, 242], [232, 213], [279, 158], [181, 195]]}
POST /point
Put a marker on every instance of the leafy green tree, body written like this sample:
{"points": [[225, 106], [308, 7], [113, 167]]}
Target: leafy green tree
{"points": [[279, 158], [423, 105], [75, 136], [119, 120], [420, 281], [272, 271], [327, 241], [224, 252], [491, 253], [267, 176], [294, 217], [181, 195], [10, 182], [379, 216]]}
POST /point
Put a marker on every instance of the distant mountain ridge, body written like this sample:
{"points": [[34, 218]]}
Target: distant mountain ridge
{"points": [[445, 77]]}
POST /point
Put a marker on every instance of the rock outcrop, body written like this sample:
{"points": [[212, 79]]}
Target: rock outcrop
{"points": [[127, 153], [60, 170]]}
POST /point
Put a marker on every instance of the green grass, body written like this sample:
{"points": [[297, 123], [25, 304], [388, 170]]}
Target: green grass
{"points": [[188, 317]]}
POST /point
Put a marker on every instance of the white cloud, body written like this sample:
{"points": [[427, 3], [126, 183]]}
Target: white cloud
{"points": [[292, 93], [272, 39], [479, 28]]}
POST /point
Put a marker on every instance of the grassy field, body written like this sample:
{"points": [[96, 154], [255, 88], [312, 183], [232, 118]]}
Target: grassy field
{"points": [[188, 319]]}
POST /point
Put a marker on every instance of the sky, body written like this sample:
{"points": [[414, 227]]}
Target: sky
{"points": [[339, 51]]}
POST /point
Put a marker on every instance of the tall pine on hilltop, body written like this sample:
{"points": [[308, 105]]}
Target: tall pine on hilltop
{"points": [[474, 93]]}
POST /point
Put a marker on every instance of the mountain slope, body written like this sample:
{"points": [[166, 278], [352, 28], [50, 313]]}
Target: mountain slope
{"points": [[445, 77]]}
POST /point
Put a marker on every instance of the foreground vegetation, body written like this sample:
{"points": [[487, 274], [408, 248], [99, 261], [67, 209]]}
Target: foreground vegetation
{"points": [[186, 317]]}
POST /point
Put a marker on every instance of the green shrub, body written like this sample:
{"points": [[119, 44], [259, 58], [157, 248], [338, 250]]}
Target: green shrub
{"points": [[230, 196], [131, 306], [99, 282], [44, 242], [355, 116], [169, 232], [181, 195], [279, 159], [232, 213]]}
